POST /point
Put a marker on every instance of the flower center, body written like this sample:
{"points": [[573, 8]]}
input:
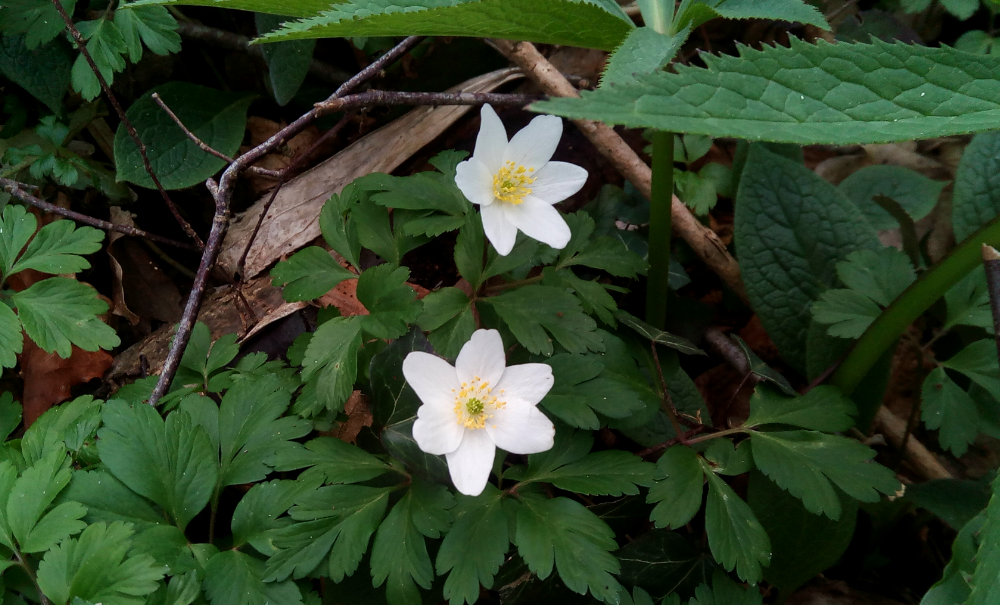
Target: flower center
{"points": [[510, 183], [474, 402]]}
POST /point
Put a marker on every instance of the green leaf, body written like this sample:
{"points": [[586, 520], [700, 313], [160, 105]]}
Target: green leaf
{"points": [[593, 296], [108, 499], [10, 415], [428, 190], [968, 302], [44, 71], [678, 493], [985, 589], [658, 336], [57, 246], [172, 463], [336, 520], [534, 312], [11, 338], [28, 518], [584, 387], [260, 510], [308, 274], [203, 358], [332, 357], [953, 588], [881, 275], [448, 316], [792, 227], [568, 466], [808, 464], [961, 9], [947, 407], [338, 229], [725, 592], [978, 361], [597, 24], [40, 21], [154, 25], [18, 227], [603, 252], [287, 62], [956, 501], [60, 311], [644, 51], [235, 578], [563, 532], [913, 191], [391, 303], [735, 537], [106, 47], [217, 118], [823, 408], [824, 93], [94, 568], [399, 553], [473, 550], [330, 460], [663, 562], [847, 312], [728, 458], [976, 198]]}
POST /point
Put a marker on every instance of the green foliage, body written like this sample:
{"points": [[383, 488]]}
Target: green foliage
{"points": [[471, 553], [725, 592], [913, 191], [202, 365], [969, 302], [29, 523], [644, 51], [823, 408], [677, 492], [875, 94], [533, 313], [985, 588], [329, 460], [217, 118], [308, 274], [287, 62], [662, 562], [976, 199], [37, 19], [658, 336], [978, 361], [949, 408], [449, 318], [792, 228], [43, 71], [735, 536]]}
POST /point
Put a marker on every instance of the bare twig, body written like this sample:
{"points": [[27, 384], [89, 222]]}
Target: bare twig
{"points": [[389, 97], [375, 67], [82, 45], [17, 189], [702, 240], [205, 146]]}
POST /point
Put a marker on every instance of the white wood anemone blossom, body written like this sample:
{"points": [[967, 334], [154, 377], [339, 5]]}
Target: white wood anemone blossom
{"points": [[478, 405], [515, 184]]}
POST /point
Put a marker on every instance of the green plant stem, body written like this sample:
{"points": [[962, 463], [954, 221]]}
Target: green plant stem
{"points": [[658, 280], [718, 434], [512, 284], [31, 576], [911, 304]]}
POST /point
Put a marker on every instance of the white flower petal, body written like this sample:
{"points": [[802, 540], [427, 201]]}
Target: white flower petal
{"points": [[534, 144], [491, 141], [539, 221], [528, 382], [475, 182], [470, 465], [556, 181], [520, 428], [436, 430], [432, 378], [499, 230], [482, 356]]}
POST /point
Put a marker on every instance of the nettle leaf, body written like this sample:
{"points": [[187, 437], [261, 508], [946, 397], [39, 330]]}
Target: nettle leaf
{"points": [[43, 71], [534, 312], [968, 302], [677, 492], [95, 568], [725, 592], [106, 46], [563, 532], [448, 316], [390, 302], [570, 466], [333, 523], [217, 118], [59, 311], [644, 51], [399, 554], [40, 22], [985, 589], [172, 463], [948, 407], [806, 462], [471, 553], [976, 198], [308, 274], [823, 408], [235, 578], [735, 536], [597, 24], [978, 361], [154, 25], [287, 62], [330, 460], [913, 191], [807, 94], [602, 252], [332, 358], [792, 227]]}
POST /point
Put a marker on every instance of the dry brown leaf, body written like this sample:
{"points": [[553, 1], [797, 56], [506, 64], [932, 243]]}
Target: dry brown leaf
{"points": [[48, 378], [358, 416], [261, 129]]}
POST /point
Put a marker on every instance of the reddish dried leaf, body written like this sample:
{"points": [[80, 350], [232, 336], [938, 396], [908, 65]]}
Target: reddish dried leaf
{"points": [[49, 378]]}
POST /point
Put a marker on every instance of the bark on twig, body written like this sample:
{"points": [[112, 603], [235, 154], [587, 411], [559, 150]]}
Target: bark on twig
{"points": [[702, 240], [82, 46], [19, 190], [390, 97]]}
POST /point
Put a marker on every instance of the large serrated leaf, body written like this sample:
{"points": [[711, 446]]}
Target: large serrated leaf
{"points": [[824, 93]]}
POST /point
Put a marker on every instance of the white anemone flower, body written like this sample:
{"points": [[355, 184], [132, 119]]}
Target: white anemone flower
{"points": [[515, 184], [477, 406]]}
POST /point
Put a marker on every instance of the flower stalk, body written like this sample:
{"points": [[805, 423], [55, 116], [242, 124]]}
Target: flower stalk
{"points": [[660, 228]]}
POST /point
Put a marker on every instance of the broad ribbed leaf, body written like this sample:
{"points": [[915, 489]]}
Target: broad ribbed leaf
{"points": [[976, 199], [643, 52], [824, 93]]}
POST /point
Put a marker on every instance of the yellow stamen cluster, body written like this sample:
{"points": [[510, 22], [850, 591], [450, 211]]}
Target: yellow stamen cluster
{"points": [[510, 183], [474, 401]]}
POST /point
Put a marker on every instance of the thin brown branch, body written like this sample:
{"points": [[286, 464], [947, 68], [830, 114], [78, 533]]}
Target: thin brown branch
{"points": [[375, 67], [389, 97], [205, 146], [17, 190], [82, 45]]}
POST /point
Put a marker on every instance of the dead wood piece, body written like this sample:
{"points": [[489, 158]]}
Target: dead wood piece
{"points": [[919, 457], [294, 216]]}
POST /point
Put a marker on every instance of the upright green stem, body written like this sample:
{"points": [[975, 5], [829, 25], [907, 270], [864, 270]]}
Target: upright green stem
{"points": [[657, 283], [911, 304]]}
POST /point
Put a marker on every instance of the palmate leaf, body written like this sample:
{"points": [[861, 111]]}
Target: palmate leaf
{"points": [[57, 247], [978, 361], [587, 23], [332, 356], [59, 311], [391, 304], [235, 578], [106, 47], [735, 536], [969, 302], [308, 274], [37, 19], [473, 550], [601, 252], [154, 25], [448, 316], [330, 460], [949, 408], [677, 493], [27, 522], [724, 591], [534, 312], [563, 532], [260, 510], [808, 94], [823, 408]]}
